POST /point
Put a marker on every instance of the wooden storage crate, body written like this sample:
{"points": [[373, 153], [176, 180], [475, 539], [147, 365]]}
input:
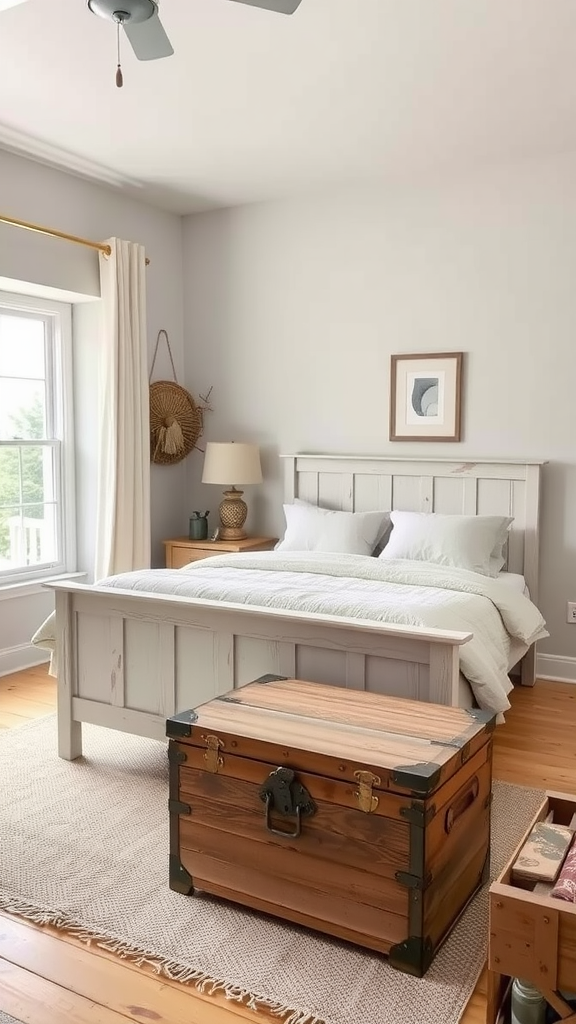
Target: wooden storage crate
{"points": [[532, 936], [363, 816]]}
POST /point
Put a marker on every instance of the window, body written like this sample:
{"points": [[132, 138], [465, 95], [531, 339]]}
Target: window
{"points": [[37, 514]]}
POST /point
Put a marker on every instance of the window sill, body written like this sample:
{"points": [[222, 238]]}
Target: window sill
{"points": [[32, 587]]}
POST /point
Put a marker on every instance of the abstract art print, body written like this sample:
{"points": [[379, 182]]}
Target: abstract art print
{"points": [[425, 395]]}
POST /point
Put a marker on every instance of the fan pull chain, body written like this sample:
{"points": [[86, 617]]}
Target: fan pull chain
{"points": [[119, 77]]}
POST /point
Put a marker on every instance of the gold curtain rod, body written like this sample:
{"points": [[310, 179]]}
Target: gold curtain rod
{"points": [[101, 246]]}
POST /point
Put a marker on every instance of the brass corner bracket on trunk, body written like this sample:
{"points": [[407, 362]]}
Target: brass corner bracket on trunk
{"points": [[366, 800]]}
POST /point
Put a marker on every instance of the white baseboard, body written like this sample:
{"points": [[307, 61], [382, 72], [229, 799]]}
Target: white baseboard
{"points": [[556, 667], [14, 659]]}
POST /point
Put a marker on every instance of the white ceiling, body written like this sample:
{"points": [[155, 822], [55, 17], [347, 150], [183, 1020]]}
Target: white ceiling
{"points": [[255, 105]]}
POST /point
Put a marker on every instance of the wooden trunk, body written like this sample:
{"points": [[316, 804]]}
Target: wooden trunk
{"points": [[363, 816]]}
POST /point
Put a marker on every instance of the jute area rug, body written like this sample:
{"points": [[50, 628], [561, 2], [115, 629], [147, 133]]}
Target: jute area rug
{"points": [[5, 1019], [84, 845]]}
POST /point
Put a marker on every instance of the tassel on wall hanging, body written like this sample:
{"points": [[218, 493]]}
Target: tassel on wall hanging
{"points": [[176, 420]]}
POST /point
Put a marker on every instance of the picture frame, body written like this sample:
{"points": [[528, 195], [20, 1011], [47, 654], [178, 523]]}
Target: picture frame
{"points": [[426, 396]]}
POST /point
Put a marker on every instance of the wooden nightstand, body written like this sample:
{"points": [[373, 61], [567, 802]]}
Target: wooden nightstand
{"points": [[181, 551]]}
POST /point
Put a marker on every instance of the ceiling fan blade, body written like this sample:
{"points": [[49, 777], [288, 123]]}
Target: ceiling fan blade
{"points": [[280, 6], [148, 38]]}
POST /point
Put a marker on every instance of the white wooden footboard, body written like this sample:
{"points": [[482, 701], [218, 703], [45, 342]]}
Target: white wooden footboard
{"points": [[129, 660]]}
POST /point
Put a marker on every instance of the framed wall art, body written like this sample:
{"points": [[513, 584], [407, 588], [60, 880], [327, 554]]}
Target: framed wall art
{"points": [[425, 396]]}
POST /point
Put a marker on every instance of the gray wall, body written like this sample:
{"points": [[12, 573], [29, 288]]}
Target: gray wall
{"points": [[293, 308], [36, 193]]}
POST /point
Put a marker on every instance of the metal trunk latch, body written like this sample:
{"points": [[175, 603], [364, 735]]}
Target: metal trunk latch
{"points": [[366, 800], [212, 755], [281, 792]]}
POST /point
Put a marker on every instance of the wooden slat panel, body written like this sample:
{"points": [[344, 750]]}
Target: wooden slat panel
{"points": [[287, 860], [291, 901], [140, 723], [469, 496], [286, 660], [316, 734], [254, 657], [336, 491], [319, 665], [142, 648], [459, 487], [307, 487], [443, 681], [494, 498], [448, 495], [456, 858], [441, 913], [356, 671], [372, 493], [167, 673], [531, 546], [118, 697], [97, 634], [341, 793], [427, 502], [224, 652], [396, 678], [194, 660], [406, 493], [389, 716], [336, 832]]}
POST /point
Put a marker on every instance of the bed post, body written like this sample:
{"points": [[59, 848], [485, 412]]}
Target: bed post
{"points": [[444, 669], [528, 667], [290, 487], [531, 559], [69, 731]]}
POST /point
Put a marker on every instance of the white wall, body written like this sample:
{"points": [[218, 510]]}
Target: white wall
{"points": [[40, 194], [293, 308]]}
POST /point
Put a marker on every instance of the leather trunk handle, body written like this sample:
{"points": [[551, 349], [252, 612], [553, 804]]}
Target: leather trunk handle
{"points": [[463, 801]]}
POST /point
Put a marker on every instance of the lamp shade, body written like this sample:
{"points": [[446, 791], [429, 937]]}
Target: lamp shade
{"points": [[231, 463]]}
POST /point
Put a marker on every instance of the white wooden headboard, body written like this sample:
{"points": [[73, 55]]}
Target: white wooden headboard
{"points": [[358, 483]]}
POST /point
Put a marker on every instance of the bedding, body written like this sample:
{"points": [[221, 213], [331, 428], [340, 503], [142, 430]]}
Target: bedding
{"points": [[470, 542], [312, 528], [406, 592]]}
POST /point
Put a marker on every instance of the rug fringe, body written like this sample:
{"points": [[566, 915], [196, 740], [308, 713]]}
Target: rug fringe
{"points": [[160, 965]]}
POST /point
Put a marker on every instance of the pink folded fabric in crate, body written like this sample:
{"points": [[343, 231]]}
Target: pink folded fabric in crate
{"points": [[565, 888]]}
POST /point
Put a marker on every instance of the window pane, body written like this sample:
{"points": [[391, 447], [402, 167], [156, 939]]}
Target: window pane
{"points": [[27, 539], [21, 347], [26, 476], [22, 409], [10, 479], [37, 475]]}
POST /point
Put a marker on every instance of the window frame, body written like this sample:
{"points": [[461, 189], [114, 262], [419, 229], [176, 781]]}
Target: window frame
{"points": [[59, 391]]}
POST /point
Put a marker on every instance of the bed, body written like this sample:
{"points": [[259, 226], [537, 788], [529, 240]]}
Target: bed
{"points": [[129, 658]]}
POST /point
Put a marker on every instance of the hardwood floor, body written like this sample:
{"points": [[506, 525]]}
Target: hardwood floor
{"points": [[47, 977]]}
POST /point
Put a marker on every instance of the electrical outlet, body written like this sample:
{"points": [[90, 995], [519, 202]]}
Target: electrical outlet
{"points": [[571, 611]]}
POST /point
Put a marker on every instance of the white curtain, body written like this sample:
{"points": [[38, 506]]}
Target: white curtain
{"points": [[123, 502]]}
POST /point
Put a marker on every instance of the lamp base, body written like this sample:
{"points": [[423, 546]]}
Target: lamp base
{"points": [[233, 511]]}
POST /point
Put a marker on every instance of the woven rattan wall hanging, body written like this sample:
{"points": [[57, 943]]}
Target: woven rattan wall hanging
{"points": [[176, 420]]}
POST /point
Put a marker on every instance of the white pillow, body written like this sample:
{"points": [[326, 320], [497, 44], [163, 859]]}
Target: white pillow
{"points": [[309, 528], [468, 542]]}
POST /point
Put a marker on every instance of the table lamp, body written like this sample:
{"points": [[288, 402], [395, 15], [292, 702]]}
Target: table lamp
{"points": [[232, 463]]}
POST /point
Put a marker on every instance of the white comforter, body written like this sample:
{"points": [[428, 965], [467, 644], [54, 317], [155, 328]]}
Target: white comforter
{"points": [[399, 591]]}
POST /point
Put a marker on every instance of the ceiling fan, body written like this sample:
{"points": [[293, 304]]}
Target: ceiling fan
{"points": [[142, 25]]}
